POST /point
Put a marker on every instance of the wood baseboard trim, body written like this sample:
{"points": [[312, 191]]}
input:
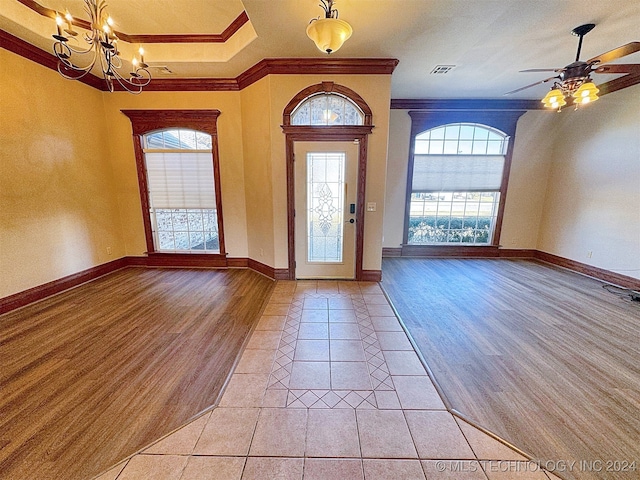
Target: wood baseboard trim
{"points": [[389, 252], [191, 260], [371, 276], [589, 270], [26, 297], [438, 251], [516, 253]]}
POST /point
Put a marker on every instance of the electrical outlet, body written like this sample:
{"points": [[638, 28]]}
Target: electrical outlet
{"points": [[371, 207], [109, 250], [589, 254], [262, 252]]}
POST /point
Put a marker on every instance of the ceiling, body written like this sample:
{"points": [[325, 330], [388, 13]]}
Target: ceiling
{"points": [[488, 41]]}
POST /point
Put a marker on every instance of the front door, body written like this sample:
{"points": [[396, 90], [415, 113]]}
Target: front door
{"points": [[325, 209]]}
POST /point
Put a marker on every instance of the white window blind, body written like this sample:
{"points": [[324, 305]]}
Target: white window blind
{"points": [[462, 173], [181, 179]]}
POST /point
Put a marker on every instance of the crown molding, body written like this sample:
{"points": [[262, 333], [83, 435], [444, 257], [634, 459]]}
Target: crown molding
{"points": [[228, 32], [465, 104], [28, 51], [268, 66]]}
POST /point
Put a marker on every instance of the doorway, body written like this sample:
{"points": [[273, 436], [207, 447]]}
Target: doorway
{"points": [[326, 189]]}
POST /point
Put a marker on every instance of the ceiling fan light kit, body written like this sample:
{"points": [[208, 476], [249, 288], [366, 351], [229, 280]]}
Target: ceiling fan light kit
{"points": [[574, 82], [329, 33], [101, 49]]}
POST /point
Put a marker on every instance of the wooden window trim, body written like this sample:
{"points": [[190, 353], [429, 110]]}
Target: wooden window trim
{"points": [[422, 120], [147, 121]]}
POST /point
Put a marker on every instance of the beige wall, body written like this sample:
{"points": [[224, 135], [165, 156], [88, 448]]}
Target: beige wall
{"points": [[593, 198], [256, 134], [230, 151], [527, 179], [58, 212]]}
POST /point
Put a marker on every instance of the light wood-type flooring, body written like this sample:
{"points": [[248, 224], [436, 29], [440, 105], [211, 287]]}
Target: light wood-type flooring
{"points": [[543, 357], [94, 374]]}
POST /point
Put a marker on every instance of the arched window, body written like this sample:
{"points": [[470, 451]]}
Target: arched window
{"points": [[182, 195], [327, 109], [455, 184]]}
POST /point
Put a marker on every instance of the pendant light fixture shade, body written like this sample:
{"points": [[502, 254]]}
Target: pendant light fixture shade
{"points": [[328, 33]]}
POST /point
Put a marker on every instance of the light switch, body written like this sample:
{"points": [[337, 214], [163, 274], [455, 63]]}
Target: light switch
{"points": [[371, 206]]}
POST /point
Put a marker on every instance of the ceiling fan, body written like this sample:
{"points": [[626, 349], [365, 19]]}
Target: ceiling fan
{"points": [[574, 80]]}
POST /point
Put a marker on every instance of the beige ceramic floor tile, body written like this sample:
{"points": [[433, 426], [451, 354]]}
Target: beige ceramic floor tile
{"points": [[327, 286], [182, 441], [393, 470], [374, 299], [276, 309], [310, 376], [485, 447], [264, 340], [245, 390], [387, 400], [281, 297], [403, 363], [342, 316], [256, 361], [509, 470], [228, 432], [332, 469], [312, 350], [350, 376], [271, 322], [437, 435], [380, 311], [258, 468], [315, 304], [453, 470], [213, 468], [340, 304], [112, 473], [313, 331], [394, 341], [384, 434], [332, 433], [417, 393], [370, 288], [280, 432], [314, 316], [144, 467], [386, 324], [344, 331], [275, 398], [347, 350]]}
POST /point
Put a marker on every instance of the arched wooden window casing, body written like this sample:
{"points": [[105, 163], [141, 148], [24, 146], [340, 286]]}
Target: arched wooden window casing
{"points": [[147, 121], [328, 133]]}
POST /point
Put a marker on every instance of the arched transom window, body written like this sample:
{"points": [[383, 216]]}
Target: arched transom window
{"points": [[455, 186], [327, 109]]}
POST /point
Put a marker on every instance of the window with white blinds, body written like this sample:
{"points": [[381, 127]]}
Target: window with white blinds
{"points": [[182, 194], [455, 185], [179, 179]]}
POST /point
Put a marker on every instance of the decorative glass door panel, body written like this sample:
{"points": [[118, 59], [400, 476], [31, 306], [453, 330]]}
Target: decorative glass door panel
{"points": [[325, 206]]}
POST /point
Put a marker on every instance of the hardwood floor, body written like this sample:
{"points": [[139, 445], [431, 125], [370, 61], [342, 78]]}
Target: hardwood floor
{"points": [[543, 357], [92, 375]]}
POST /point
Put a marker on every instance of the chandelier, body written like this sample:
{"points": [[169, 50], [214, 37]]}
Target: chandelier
{"points": [[101, 49], [328, 33]]}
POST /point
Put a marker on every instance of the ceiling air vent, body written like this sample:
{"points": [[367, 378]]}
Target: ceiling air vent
{"points": [[442, 69]]}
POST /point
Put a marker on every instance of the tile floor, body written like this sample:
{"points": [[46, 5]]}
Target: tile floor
{"points": [[329, 387]]}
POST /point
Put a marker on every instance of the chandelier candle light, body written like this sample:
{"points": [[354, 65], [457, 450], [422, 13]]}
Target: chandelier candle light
{"points": [[328, 33], [102, 47]]}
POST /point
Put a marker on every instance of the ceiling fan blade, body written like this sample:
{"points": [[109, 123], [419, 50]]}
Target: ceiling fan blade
{"points": [[542, 70], [619, 68], [529, 86], [619, 52]]}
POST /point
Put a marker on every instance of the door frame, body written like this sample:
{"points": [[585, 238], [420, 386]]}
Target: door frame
{"points": [[347, 133]]}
